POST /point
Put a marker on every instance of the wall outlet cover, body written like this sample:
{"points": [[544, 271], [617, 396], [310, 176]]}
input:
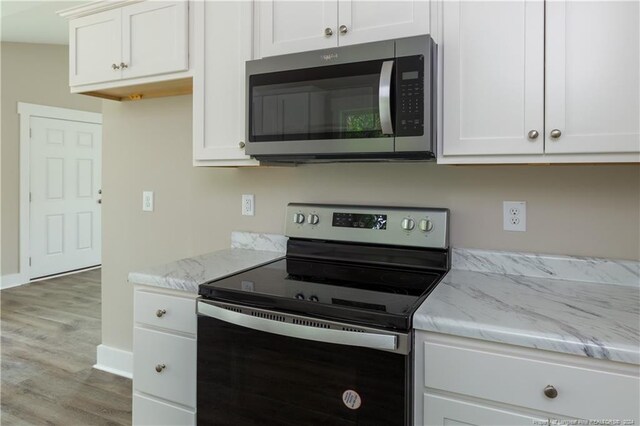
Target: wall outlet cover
{"points": [[248, 205], [514, 216], [147, 201]]}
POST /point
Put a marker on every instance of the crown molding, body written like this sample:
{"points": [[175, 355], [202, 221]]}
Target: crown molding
{"points": [[94, 7]]}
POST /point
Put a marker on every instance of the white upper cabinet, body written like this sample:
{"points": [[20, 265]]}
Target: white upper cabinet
{"points": [[592, 77], [298, 26], [129, 50], [539, 82], [493, 87], [154, 38], [223, 40], [367, 21], [94, 48]]}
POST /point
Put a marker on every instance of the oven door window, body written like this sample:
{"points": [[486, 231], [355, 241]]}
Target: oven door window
{"points": [[331, 102], [249, 377]]}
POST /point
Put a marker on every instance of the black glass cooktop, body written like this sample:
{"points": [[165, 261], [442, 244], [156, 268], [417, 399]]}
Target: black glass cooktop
{"points": [[378, 296]]}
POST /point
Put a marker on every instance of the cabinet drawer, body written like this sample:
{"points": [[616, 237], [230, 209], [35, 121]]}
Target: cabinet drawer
{"points": [[149, 412], [171, 312], [582, 392], [176, 381]]}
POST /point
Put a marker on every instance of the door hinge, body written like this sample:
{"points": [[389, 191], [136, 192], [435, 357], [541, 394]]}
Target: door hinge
{"points": [[29, 197], [29, 261]]}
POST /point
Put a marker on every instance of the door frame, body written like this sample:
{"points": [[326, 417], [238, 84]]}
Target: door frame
{"points": [[26, 111]]}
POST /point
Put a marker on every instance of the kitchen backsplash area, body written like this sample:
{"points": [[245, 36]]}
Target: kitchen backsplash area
{"points": [[581, 210]]}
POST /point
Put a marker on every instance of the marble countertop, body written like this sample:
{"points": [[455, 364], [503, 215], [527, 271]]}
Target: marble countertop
{"points": [[597, 320], [187, 274]]}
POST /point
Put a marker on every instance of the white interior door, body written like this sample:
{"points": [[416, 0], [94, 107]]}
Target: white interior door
{"points": [[65, 181]]}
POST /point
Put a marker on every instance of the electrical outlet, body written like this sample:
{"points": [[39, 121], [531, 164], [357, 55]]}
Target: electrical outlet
{"points": [[514, 215], [147, 201], [248, 205]]}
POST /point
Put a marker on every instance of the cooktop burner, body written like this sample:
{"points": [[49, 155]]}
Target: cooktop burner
{"points": [[348, 275]]}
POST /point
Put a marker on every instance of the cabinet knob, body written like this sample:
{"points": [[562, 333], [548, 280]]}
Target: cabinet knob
{"points": [[328, 32], [533, 134], [555, 134], [160, 367], [123, 65], [160, 312], [115, 67], [241, 144], [343, 29], [99, 201], [550, 392]]}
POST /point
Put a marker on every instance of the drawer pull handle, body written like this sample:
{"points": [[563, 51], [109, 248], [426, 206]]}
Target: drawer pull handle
{"points": [[160, 367], [550, 392], [160, 312]]}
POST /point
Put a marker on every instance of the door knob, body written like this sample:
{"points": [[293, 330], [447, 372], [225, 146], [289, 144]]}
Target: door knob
{"points": [[555, 134], [328, 32], [533, 134], [343, 29]]}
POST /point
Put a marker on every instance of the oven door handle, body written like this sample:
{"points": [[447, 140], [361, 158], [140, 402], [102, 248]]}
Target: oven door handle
{"points": [[384, 98], [387, 342]]}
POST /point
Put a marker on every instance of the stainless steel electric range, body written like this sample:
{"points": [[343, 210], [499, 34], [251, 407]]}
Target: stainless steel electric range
{"points": [[324, 335]]}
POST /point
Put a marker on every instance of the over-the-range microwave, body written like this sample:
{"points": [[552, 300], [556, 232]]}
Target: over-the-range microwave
{"points": [[367, 102]]}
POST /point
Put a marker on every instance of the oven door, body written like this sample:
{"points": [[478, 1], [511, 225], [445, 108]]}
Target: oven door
{"points": [[327, 110], [258, 367]]}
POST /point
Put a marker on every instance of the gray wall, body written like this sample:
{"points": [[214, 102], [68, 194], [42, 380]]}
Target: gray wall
{"points": [[37, 74], [577, 210]]}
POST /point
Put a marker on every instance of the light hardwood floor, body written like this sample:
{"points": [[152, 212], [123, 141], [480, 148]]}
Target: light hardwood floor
{"points": [[50, 330]]}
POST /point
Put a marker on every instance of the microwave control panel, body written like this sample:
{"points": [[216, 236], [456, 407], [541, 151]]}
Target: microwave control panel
{"points": [[410, 96]]}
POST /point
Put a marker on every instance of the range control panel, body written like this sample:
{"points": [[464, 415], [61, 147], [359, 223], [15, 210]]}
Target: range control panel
{"points": [[402, 226]]}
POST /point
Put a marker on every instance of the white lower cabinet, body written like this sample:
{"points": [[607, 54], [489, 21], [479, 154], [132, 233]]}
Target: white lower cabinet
{"points": [[468, 381], [446, 411], [151, 412], [164, 357]]}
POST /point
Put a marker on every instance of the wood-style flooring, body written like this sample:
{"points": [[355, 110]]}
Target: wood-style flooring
{"points": [[49, 331]]}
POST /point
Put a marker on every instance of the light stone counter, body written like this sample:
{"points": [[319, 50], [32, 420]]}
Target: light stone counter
{"points": [[187, 274], [595, 314]]}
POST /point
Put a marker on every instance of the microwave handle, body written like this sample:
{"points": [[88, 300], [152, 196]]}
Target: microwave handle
{"points": [[384, 98]]}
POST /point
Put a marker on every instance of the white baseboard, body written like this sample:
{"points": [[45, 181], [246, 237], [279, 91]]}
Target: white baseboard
{"points": [[12, 280], [114, 361]]}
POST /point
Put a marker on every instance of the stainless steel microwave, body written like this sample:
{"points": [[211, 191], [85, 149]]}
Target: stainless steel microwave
{"points": [[367, 102]]}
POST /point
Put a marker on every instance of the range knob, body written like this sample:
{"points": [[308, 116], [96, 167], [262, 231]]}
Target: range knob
{"points": [[313, 298], [426, 225], [313, 219], [298, 218], [408, 224]]}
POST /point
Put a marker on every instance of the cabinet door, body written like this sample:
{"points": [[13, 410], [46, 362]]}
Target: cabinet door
{"points": [[493, 88], [155, 38], [224, 44], [366, 21], [95, 48], [297, 26], [592, 76], [441, 411]]}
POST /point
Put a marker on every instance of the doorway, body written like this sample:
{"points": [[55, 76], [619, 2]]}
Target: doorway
{"points": [[61, 195]]}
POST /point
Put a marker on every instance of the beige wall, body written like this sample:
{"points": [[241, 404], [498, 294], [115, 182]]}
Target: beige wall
{"points": [[578, 210], [38, 74]]}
